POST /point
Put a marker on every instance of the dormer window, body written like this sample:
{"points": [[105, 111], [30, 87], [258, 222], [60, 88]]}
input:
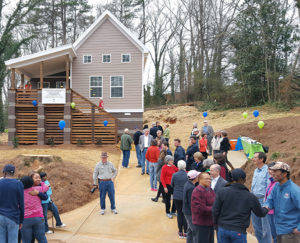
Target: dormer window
{"points": [[106, 58], [126, 58], [87, 59]]}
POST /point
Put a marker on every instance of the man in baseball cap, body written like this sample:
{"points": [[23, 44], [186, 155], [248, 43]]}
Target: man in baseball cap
{"points": [[285, 200], [11, 205]]}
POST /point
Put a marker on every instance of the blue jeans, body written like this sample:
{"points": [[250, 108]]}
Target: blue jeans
{"points": [[8, 230], [153, 179], [33, 226], [272, 226], [126, 156], [52, 207], [138, 154], [261, 228], [229, 236], [143, 161], [107, 187]]}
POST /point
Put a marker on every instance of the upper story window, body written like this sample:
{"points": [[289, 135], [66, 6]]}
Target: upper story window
{"points": [[45, 85], [96, 86], [87, 59], [106, 58], [116, 86], [126, 58]]}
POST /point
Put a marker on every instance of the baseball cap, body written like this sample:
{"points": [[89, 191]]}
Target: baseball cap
{"points": [[238, 174], [104, 154], [281, 166], [9, 168], [192, 174]]}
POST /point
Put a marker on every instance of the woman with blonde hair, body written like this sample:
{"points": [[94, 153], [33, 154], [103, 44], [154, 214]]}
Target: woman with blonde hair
{"points": [[198, 164]]}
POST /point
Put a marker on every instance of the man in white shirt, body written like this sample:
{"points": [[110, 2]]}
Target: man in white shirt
{"points": [[217, 182], [144, 143]]}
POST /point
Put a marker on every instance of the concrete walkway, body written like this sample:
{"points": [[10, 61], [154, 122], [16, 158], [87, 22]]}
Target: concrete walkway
{"points": [[139, 219]]}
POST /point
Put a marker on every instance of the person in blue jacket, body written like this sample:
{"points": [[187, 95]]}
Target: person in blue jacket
{"points": [[179, 153], [191, 150], [285, 200], [49, 205]]}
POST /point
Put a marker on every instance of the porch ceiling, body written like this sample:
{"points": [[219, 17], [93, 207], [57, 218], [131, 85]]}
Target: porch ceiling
{"points": [[54, 62]]}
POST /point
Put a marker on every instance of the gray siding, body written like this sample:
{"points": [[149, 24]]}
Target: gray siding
{"points": [[107, 39]]}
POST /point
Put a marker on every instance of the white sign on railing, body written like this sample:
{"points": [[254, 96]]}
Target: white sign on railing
{"points": [[53, 96]]}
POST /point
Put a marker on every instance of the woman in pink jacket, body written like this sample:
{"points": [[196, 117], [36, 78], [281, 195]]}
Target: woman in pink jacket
{"points": [[33, 212], [271, 212]]}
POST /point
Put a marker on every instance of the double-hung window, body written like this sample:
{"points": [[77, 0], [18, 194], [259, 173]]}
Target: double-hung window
{"points": [[96, 86], [106, 58], [87, 59], [116, 86], [126, 58]]}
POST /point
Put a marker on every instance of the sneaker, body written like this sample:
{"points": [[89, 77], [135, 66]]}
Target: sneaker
{"points": [[155, 190], [143, 173], [114, 211], [174, 214], [138, 166], [152, 189], [147, 173], [61, 226], [49, 232], [154, 199], [127, 167], [102, 211], [184, 235], [170, 216], [180, 234]]}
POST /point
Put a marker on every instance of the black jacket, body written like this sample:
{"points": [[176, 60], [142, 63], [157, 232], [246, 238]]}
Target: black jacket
{"points": [[179, 154], [233, 206], [198, 166], [225, 145], [136, 137], [220, 184], [190, 153], [153, 132], [187, 198]]}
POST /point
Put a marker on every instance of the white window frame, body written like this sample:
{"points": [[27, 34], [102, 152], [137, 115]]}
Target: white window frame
{"points": [[95, 86], [87, 56], [106, 55], [38, 85], [117, 87], [60, 87], [126, 54]]}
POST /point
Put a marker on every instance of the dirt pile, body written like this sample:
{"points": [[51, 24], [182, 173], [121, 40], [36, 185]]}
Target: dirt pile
{"points": [[281, 136], [70, 182]]}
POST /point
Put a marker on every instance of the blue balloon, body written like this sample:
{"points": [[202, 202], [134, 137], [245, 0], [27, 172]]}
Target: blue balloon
{"points": [[256, 113], [205, 114], [34, 102], [105, 123], [62, 124]]}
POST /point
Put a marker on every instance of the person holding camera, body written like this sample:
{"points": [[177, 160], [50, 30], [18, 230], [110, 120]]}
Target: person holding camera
{"points": [[104, 175]]}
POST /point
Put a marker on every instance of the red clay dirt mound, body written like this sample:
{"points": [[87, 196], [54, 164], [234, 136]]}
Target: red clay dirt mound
{"points": [[282, 136], [71, 183]]}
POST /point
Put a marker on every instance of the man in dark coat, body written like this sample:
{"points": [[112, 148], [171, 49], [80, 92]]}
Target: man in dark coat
{"points": [[153, 130], [179, 153], [193, 148], [136, 139]]}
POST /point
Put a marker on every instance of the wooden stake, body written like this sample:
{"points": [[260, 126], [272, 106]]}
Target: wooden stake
{"points": [[13, 78], [41, 75], [67, 72]]}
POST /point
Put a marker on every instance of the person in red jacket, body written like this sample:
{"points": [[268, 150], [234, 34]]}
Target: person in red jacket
{"points": [[167, 172], [203, 145], [152, 156], [203, 198]]}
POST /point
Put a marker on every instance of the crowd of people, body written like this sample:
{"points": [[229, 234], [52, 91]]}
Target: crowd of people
{"points": [[208, 195], [24, 205]]}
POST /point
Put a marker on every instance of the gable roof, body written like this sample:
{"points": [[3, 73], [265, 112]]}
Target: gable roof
{"points": [[117, 23]]}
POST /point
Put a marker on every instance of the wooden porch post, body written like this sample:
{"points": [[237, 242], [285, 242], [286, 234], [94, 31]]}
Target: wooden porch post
{"points": [[22, 80], [41, 75], [67, 72], [93, 124], [13, 78]]}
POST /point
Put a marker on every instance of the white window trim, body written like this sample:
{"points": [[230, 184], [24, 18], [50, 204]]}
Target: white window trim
{"points": [[95, 86], [107, 54], [128, 55], [87, 56], [38, 84], [117, 86]]}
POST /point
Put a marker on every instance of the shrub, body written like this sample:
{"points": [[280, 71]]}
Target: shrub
{"points": [[275, 155], [15, 142], [99, 141], [80, 142], [51, 141]]}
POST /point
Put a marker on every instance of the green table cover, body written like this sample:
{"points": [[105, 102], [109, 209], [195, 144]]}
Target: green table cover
{"points": [[251, 148]]}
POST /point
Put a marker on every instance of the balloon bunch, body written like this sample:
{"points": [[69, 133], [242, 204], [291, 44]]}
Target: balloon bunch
{"points": [[255, 113]]}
